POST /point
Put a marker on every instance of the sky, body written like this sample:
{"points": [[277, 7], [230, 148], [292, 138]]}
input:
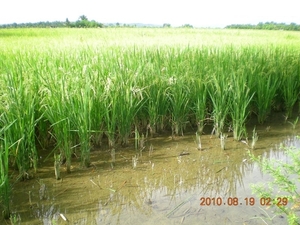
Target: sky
{"points": [[201, 13]]}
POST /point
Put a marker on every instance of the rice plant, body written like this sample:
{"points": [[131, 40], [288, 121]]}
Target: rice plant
{"points": [[240, 100], [179, 97], [200, 102], [129, 103], [20, 106], [290, 88], [110, 101], [266, 86], [157, 105], [5, 189], [81, 107], [80, 92], [56, 107], [219, 92]]}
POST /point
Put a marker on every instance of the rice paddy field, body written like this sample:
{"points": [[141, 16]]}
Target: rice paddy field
{"points": [[77, 103]]}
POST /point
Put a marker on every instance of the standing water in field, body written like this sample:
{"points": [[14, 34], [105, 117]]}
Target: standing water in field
{"points": [[173, 184]]}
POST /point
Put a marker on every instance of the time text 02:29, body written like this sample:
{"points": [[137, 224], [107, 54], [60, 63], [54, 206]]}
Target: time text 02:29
{"points": [[234, 201]]}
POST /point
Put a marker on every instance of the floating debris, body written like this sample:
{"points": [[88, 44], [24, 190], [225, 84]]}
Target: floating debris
{"points": [[63, 217], [184, 153]]}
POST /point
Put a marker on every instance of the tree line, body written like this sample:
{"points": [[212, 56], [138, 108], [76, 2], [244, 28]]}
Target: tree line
{"points": [[266, 26], [81, 22]]}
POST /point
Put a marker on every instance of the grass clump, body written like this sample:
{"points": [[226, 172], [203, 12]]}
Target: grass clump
{"points": [[283, 189]]}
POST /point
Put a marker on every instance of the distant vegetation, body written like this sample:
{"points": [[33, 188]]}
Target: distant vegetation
{"points": [[266, 26], [81, 22]]}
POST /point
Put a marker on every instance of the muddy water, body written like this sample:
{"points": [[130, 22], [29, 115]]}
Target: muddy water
{"points": [[165, 187]]}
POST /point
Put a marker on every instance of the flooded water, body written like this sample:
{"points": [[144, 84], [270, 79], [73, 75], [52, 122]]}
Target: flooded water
{"points": [[165, 186]]}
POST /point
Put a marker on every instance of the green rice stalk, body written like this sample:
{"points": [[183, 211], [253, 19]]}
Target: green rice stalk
{"points": [[179, 97], [200, 101], [157, 105], [219, 92], [290, 89], [20, 105], [98, 110], [81, 105], [266, 86], [240, 100], [5, 189], [129, 103], [57, 110], [110, 102]]}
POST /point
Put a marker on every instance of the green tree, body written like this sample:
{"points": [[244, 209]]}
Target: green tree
{"points": [[187, 26], [83, 17]]}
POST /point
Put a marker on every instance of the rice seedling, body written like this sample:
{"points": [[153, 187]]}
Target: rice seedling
{"points": [[254, 138], [198, 141], [150, 150], [14, 219], [223, 138], [152, 166], [134, 161], [142, 143], [136, 139], [113, 157], [57, 162], [294, 124]]}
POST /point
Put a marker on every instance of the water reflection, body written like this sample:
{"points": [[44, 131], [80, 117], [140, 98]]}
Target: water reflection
{"points": [[164, 188]]}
